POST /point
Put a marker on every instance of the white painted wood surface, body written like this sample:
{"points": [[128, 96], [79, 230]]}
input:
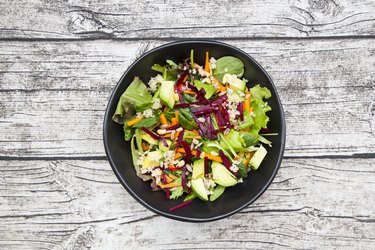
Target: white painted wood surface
{"points": [[59, 62]]}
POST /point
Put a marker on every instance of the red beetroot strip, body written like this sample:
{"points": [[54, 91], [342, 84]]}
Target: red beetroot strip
{"points": [[167, 189], [155, 136], [181, 205]]}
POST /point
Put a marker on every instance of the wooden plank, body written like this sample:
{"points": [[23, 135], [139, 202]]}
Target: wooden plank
{"points": [[39, 19], [53, 95], [312, 203]]}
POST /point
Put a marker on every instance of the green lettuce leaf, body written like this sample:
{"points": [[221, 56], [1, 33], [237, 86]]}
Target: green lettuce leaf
{"points": [[228, 65], [242, 172], [169, 72], [260, 108], [186, 118], [135, 98], [176, 192]]}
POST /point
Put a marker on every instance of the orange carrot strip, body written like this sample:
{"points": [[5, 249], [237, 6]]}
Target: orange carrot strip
{"points": [[177, 117], [174, 121], [163, 119], [134, 121], [169, 185], [169, 179], [145, 146], [209, 156], [177, 155], [207, 64], [190, 92], [165, 109], [246, 103], [186, 77]]}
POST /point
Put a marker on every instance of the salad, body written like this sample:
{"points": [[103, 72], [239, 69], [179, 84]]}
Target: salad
{"points": [[194, 129]]}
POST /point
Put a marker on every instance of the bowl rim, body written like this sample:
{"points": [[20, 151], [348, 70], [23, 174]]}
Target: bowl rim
{"points": [[171, 215]]}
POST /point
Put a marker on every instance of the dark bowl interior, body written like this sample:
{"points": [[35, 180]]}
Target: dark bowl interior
{"points": [[234, 198]]}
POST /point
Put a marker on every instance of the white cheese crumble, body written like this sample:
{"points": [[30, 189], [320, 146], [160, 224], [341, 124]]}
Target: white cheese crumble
{"points": [[213, 63], [157, 174], [156, 104], [154, 82], [147, 113], [201, 119], [240, 180], [234, 168], [189, 168]]}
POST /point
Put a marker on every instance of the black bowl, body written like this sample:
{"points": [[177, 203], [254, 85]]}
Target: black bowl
{"points": [[235, 198]]}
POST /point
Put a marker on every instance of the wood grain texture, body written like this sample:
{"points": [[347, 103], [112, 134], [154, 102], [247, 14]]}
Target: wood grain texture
{"points": [[53, 95], [41, 19], [324, 203]]}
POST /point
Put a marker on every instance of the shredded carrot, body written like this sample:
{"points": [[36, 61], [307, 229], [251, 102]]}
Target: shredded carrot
{"points": [[163, 119], [190, 92], [193, 136], [209, 156], [165, 109], [134, 121], [172, 176], [174, 121], [169, 185], [246, 103], [145, 146], [177, 155], [186, 77], [177, 117], [167, 135], [207, 64], [169, 179]]}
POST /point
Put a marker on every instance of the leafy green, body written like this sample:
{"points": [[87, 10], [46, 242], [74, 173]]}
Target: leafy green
{"points": [[148, 122], [208, 88], [186, 118], [172, 64], [189, 98], [235, 140], [259, 108], [136, 96], [249, 139], [248, 120], [242, 172], [260, 92], [169, 72], [128, 132], [176, 192], [228, 65]]}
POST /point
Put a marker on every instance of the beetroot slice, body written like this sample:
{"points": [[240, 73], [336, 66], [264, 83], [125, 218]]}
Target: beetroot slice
{"points": [[181, 205]]}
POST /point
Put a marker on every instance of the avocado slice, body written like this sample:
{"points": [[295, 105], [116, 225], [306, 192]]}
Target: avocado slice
{"points": [[198, 189], [257, 158], [164, 148], [219, 190], [234, 82], [148, 138], [152, 159], [198, 169], [208, 88], [167, 93], [222, 176]]}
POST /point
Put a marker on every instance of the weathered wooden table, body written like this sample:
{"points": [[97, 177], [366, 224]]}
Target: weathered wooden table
{"points": [[59, 63]]}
